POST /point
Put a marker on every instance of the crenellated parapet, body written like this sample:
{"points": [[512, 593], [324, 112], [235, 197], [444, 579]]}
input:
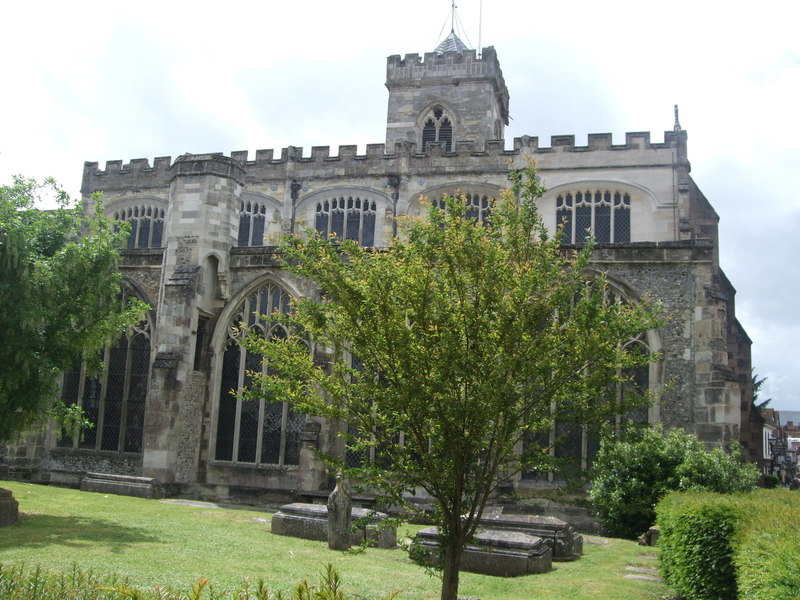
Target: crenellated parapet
{"points": [[321, 163], [464, 66]]}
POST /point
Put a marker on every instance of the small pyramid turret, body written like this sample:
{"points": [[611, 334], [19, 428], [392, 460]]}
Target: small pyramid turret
{"points": [[452, 43]]}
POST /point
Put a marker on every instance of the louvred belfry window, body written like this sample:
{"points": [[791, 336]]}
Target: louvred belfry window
{"points": [[438, 127]]}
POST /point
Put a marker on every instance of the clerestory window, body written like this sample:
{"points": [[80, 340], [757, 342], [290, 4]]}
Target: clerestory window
{"points": [[602, 214], [263, 432], [347, 218], [252, 221], [478, 207], [437, 127], [147, 226]]}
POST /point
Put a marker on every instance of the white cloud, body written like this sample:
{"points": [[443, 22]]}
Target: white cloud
{"points": [[103, 81]]}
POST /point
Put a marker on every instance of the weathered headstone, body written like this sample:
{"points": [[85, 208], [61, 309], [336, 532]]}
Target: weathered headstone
{"points": [[340, 509], [650, 537], [9, 508]]}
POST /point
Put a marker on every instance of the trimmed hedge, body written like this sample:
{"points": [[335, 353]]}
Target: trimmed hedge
{"points": [[724, 547]]}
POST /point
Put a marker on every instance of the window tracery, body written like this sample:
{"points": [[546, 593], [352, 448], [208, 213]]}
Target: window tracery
{"points": [[437, 127], [114, 400], [347, 218], [147, 225], [264, 432], [478, 206], [252, 223], [603, 214]]}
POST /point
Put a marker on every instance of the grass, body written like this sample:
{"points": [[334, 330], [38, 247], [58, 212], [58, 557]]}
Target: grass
{"points": [[157, 543]]}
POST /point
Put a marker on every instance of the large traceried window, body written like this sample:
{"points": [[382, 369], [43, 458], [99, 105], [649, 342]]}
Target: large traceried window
{"points": [[262, 432], [114, 400], [252, 222], [147, 226], [603, 214], [347, 218], [576, 444], [437, 127]]}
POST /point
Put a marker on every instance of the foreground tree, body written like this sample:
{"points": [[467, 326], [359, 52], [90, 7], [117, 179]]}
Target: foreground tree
{"points": [[445, 350], [59, 286]]}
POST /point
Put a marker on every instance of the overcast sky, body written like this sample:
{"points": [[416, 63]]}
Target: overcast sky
{"points": [[98, 81]]}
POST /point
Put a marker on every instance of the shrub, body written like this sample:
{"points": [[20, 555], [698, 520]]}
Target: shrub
{"points": [[716, 546], [696, 545], [632, 474], [771, 481]]}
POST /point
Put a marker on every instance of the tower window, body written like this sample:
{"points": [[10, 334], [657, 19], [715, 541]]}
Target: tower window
{"points": [[438, 127]]}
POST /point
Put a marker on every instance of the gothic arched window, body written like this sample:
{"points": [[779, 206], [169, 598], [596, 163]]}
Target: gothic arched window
{"points": [[347, 218], [603, 214], [114, 400], [147, 226], [262, 432], [252, 221], [574, 444], [437, 127]]}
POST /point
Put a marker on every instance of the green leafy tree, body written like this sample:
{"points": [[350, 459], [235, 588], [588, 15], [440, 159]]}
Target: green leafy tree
{"points": [[631, 475], [59, 288], [464, 335]]}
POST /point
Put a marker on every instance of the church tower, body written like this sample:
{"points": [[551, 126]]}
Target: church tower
{"points": [[449, 96]]}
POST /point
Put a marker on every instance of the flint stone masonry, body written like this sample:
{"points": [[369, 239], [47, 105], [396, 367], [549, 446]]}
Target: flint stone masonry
{"points": [[496, 552], [121, 485], [9, 508], [310, 522], [565, 542]]}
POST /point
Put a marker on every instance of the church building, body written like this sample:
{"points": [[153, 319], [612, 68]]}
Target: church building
{"points": [[201, 253]]}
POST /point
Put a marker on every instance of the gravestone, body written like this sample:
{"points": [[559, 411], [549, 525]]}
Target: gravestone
{"points": [[9, 508], [566, 543], [494, 552], [340, 507], [310, 522]]}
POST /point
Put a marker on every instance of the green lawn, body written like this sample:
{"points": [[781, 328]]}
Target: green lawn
{"points": [[154, 542]]}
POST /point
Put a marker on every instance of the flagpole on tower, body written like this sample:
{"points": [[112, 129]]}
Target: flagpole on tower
{"points": [[480, 27]]}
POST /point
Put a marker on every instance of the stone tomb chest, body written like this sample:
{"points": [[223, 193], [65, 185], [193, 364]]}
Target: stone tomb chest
{"points": [[495, 552], [566, 543], [310, 521]]}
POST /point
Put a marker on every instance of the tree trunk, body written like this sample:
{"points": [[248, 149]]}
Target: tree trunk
{"points": [[451, 568]]}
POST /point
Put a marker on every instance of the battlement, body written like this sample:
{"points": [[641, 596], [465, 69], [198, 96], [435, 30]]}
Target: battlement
{"points": [[461, 65], [139, 175]]}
